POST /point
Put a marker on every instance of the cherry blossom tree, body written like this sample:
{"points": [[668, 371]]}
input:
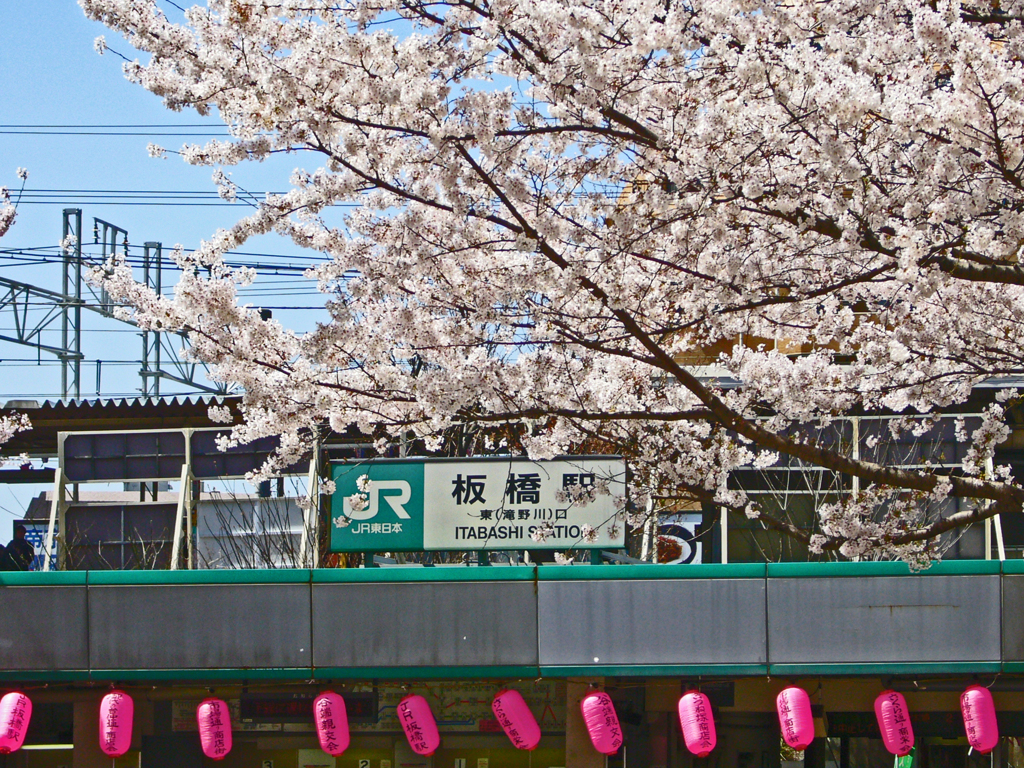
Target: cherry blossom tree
{"points": [[697, 233], [13, 423], [7, 210], [10, 425]]}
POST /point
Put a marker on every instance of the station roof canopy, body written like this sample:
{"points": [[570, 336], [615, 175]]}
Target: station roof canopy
{"points": [[113, 414]]}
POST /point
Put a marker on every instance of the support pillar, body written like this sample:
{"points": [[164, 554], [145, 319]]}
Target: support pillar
{"points": [[579, 750], [145, 724], [815, 754], [87, 753]]}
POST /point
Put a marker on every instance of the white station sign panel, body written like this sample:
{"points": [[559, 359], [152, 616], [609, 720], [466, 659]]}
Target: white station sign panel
{"points": [[471, 504]]}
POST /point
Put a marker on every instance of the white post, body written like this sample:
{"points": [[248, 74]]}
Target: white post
{"points": [[725, 534], [192, 507], [648, 550], [855, 479], [990, 471], [856, 454], [179, 517], [55, 504], [310, 517]]}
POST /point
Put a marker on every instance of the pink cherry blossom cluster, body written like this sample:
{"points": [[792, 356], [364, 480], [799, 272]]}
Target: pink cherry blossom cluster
{"points": [[7, 211]]}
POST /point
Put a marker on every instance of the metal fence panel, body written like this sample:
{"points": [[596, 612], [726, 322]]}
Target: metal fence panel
{"points": [[425, 624], [43, 628], [884, 619], [199, 626], [1013, 617], [691, 621]]}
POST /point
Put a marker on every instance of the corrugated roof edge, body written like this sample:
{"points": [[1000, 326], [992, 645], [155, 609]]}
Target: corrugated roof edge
{"points": [[103, 402]]}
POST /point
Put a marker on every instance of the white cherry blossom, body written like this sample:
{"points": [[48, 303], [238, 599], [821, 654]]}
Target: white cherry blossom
{"points": [[693, 234]]}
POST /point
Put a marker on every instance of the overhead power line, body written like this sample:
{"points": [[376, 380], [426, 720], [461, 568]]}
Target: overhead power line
{"points": [[178, 134], [56, 249], [117, 129], [145, 197], [34, 257], [35, 309], [189, 192], [116, 125], [199, 193]]}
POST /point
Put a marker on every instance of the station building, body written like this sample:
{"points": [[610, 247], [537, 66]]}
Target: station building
{"points": [[267, 640]]}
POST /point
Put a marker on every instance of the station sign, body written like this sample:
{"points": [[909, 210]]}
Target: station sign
{"points": [[410, 505]]}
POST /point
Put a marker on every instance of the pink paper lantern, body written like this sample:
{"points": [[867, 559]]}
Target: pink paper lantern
{"points": [[602, 722], [894, 722], [331, 723], [214, 728], [795, 718], [116, 713], [15, 712], [516, 719], [698, 724], [979, 713], [418, 723]]}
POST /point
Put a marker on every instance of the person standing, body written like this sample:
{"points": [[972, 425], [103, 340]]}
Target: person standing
{"points": [[20, 553]]}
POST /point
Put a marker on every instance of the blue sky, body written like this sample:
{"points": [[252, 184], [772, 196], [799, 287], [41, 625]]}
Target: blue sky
{"points": [[53, 77]]}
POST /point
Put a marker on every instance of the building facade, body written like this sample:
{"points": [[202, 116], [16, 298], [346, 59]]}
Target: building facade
{"points": [[267, 641]]}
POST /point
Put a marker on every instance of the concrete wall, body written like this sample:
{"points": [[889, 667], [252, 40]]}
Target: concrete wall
{"points": [[552, 621]]}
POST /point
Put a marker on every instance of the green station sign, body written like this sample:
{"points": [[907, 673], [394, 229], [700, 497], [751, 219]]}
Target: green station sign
{"points": [[409, 505]]}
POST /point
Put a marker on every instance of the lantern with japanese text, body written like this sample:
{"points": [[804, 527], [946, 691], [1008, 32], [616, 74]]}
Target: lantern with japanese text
{"points": [[979, 713], [697, 722], [214, 728], [602, 722], [516, 719], [116, 713], [894, 722], [15, 712], [795, 718], [418, 723], [331, 722]]}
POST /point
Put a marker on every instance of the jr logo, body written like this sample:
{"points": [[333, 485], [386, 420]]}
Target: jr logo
{"points": [[396, 501]]}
